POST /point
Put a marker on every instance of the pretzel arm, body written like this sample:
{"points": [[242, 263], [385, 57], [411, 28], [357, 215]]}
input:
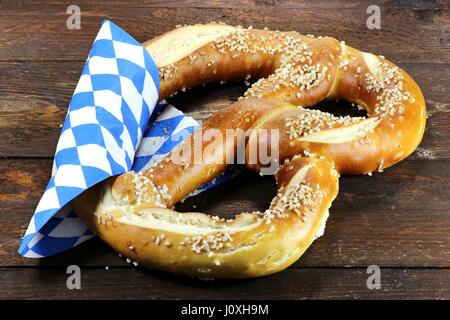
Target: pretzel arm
{"points": [[303, 71], [252, 244]]}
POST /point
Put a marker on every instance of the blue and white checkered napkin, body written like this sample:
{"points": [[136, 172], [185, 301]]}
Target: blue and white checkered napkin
{"points": [[113, 125]]}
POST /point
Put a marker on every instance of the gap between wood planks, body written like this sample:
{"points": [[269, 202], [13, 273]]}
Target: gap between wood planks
{"points": [[291, 283], [417, 30]]}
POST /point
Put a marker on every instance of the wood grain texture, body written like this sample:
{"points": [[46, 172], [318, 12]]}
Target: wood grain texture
{"points": [[395, 218], [34, 96], [399, 220], [317, 283], [421, 34]]}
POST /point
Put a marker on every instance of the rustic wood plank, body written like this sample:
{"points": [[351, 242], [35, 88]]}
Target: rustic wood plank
{"points": [[34, 98], [290, 4], [306, 283], [413, 33], [42, 4], [397, 218]]}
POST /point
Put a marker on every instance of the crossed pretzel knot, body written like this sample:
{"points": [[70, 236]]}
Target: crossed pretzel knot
{"points": [[132, 212]]}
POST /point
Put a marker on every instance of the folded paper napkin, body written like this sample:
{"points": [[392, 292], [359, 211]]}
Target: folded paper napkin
{"points": [[113, 125]]}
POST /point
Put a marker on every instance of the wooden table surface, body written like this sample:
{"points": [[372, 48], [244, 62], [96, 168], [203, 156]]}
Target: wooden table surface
{"points": [[398, 219]]}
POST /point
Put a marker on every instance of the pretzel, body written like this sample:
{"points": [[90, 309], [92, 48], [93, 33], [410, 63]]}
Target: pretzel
{"points": [[133, 212]]}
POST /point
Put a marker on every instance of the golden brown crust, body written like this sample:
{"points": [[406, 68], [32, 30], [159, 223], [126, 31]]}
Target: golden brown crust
{"points": [[271, 244], [386, 91], [131, 211]]}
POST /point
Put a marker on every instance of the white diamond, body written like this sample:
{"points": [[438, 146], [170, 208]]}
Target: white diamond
{"points": [[129, 52], [149, 92], [105, 32], [132, 97], [84, 84], [66, 140], [70, 175], [94, 156], [116, 152], [85, 115], [48, 201], [110, 101], [100, 65]]}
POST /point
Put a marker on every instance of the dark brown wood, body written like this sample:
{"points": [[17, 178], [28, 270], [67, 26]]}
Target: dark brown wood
{"points": [[395, 218], [410, 33], [34, 96], [399, 220], [305, 283]]}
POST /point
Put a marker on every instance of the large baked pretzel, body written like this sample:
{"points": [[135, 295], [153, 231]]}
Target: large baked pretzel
{"points": [[132, 213]]}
